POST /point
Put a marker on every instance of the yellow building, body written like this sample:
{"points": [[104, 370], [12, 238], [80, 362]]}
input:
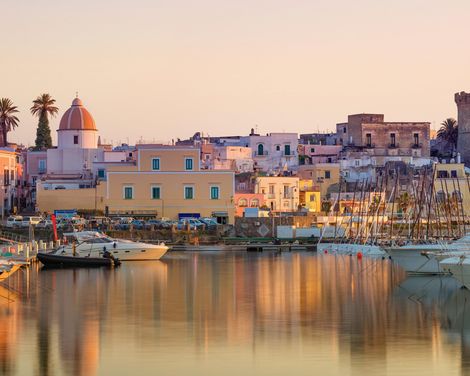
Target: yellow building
{"points": [[451, 182], [281, 193], [323, 175], [309, 195], [165, 181]]}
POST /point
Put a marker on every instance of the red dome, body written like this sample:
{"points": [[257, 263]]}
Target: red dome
{"points": [[77, 117]]}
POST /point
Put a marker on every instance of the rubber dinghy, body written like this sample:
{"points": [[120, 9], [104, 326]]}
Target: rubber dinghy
{"points": [[55, 260]]}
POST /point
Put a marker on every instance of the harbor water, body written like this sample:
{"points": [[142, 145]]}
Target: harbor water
{"points": [[234, 313]]}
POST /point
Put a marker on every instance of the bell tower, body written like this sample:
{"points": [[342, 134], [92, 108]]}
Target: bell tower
{"points": [[462, 100]]}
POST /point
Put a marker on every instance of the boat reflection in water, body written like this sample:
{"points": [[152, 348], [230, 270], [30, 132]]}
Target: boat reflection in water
{"points": [[232, 313]]}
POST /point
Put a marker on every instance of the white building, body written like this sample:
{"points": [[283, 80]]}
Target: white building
{"points": [[273, 152]]}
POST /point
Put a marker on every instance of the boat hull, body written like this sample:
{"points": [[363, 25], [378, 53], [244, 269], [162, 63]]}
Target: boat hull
{"points": [[71, 261], [459, 268], [414, 262], [351, 249]]}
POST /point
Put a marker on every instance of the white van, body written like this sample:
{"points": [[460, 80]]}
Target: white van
{"points": [[30, 221], [14, 221]]}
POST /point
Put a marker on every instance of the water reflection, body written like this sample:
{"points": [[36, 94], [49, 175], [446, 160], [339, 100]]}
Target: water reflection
{"points": [[233, 313]]}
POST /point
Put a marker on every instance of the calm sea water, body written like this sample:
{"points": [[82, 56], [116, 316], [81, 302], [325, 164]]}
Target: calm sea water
{"points": [[234, 314]]}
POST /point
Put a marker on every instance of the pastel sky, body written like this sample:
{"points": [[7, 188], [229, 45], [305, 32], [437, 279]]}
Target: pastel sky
{"points": [[162, 69]]}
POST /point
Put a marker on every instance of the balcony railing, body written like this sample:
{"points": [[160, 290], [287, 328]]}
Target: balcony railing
{"points": [[265, 153], [417, 146], [393, 146]]}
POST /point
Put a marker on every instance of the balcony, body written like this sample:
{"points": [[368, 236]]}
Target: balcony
{"points": [[271, 196], [393, 145], [264, 154], [416, 146]]}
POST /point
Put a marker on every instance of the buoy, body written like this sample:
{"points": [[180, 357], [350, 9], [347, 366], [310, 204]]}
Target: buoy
{"points": [[325, 251], [359, 255]]}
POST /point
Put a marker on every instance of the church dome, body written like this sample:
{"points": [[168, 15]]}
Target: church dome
{"points": [[76, 118]]}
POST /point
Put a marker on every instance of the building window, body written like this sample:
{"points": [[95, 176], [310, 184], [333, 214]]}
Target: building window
{"points": [[254, 203], [188, 192], [101, 173], [128, 193], [278, 147], [344, 130], [260, 149], [312, 150], [357, 162], [156, 192], [188, 164], [271, 189], [214, 193], [393, 140], [75, 140], [416, 139], [243, 203], [42, 166], [442, 174], [327, 174], [286, 191], [155, 164], [286, 149], [368, 140], [453, 173]]}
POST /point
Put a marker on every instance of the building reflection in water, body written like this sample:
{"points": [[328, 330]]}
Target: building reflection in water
{"points": [[257, 311]]}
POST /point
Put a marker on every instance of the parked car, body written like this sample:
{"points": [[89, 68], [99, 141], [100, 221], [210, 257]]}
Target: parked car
{"points": [[45, 223], [194, 224], [137, 224], [155, 223], [126, 220], [209, 222], [14, 221], [27, 221]]}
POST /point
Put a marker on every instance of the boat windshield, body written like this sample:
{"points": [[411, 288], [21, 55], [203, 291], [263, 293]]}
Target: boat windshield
{"points": [[102, 239]]}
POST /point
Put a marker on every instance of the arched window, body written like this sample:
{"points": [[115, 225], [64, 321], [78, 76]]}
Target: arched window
{"points": [[243, 202], [260, 149], [254, 203], [278, 147]]}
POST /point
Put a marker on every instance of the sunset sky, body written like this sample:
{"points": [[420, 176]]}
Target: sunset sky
{"points": [[165, 69]]}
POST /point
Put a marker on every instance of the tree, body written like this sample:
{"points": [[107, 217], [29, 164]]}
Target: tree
{"points": [[43, 106], [8, 119], [449, 132]]}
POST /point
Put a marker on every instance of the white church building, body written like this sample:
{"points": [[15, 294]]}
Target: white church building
{"points": [[79, 160]]}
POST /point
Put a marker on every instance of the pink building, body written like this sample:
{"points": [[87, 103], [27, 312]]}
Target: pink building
{"points": [[319, 153], [247, 200]]}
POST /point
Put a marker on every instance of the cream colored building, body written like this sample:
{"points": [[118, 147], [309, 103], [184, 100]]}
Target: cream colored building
{"points": [[168, 181], [281, 193]]}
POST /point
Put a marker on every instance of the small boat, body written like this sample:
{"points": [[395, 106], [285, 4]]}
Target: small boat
{"points": [[57, 259]]}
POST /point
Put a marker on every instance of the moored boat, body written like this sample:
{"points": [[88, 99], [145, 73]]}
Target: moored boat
{"points": [[62, 260], [92, 244], [424, 258]]}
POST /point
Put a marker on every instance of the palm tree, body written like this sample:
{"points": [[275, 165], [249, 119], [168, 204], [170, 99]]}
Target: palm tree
{"points": [[8, 120], [43, 106], [449, 132]]}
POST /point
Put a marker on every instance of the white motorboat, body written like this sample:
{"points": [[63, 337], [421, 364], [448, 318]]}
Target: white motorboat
{"points": [[94, 244], [424, 258], [459, 268], [351, 249]]}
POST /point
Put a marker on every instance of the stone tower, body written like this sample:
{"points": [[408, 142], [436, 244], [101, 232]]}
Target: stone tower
{"points": [[462, 100]]}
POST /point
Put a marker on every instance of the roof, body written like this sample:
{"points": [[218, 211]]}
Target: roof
{"points": [[77, 117]]}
